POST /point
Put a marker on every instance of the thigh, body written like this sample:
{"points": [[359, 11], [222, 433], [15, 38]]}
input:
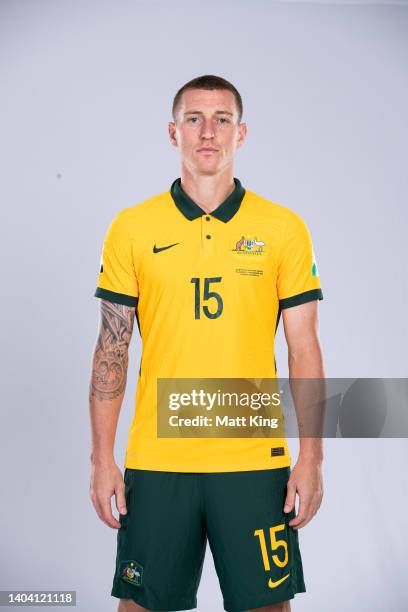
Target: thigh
{"points": [[161, 541], [256, 553]]}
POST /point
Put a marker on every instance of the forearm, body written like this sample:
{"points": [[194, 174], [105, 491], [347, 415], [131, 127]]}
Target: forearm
{"points": [[108, 378], [104, 415], [307, 363]]}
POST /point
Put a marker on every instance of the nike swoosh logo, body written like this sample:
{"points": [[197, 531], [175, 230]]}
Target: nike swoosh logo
{"points": [[158, 249], [272, 584]]}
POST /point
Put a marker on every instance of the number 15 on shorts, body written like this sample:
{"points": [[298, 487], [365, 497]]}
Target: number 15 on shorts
{"points": [[280, 561]]}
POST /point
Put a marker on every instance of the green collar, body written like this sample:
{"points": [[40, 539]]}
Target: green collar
{"points": [[224, 212]]}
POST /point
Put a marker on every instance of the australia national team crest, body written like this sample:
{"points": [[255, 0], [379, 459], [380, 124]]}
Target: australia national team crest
{"points": [[132, 572], [250, 245]]}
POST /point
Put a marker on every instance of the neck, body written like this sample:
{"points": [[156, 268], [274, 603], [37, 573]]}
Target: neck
{"points": [[208, 191]]}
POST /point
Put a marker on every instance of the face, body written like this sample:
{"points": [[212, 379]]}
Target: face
{"points": [[206, 130]]}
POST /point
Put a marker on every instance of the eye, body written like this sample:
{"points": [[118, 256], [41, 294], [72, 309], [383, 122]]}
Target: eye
{"points": [[193, 120], [223, 120]]}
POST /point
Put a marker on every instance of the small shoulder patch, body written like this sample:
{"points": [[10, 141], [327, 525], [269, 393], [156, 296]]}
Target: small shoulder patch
{"points": [[315, 271]]}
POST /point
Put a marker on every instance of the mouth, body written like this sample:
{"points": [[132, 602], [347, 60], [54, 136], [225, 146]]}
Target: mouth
{"points": [[207, 150]]}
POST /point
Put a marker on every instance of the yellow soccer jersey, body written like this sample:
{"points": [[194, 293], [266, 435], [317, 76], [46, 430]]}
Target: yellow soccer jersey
{"points": [[208, 291]]}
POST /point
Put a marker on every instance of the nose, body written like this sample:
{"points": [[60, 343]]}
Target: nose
{"points": [[207, 129]]}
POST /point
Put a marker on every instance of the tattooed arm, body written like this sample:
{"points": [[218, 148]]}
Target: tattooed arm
{"points": [[106, 390]]}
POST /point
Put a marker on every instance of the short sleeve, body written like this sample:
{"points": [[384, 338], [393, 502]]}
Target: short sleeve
{"points": [[117, 281], [298, 278]]}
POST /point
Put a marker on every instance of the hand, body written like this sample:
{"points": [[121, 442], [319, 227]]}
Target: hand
{"points": [[107, 480], [305, 480]]}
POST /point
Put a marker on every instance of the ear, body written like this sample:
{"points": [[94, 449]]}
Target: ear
{"points": [[172, 133], [242, 132]]}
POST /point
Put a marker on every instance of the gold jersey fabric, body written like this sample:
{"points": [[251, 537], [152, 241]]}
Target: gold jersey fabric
{"points": [[250, 258]]}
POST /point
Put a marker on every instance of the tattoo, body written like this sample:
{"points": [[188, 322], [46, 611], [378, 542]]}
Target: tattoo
{"points": [[110, 361]]}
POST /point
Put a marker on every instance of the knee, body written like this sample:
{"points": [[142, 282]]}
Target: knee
{"points": [[128, 605], [283, 606]]}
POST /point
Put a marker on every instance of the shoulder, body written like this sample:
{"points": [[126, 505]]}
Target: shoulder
{"points": [[283, 219], [133, 218]]}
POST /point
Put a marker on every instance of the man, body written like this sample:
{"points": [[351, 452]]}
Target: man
{"points": [[208, 267]]}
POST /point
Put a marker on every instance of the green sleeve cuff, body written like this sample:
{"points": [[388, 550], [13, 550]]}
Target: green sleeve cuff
{"points": [[118, 298], [301, 298]]}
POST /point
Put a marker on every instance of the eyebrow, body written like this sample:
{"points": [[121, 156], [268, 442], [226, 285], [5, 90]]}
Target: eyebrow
{"points": [[218, 112]]}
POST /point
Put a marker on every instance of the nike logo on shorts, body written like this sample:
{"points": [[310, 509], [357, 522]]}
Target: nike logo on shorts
{"points": [[273, 585]]}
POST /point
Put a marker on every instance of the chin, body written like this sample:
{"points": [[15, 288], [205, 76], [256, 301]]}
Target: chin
{"points": [[207, 171], [208, 168]]}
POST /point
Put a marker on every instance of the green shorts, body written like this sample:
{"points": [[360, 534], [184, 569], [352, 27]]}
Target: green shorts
{"points": [[162, 539]]}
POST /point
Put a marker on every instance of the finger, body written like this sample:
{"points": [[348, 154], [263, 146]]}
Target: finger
{"points": [[302, 523], [304, 507], [106, 513], [290, 496], [120, 499], [315, 507], [98, 505], [308, 514], [98, 510]]}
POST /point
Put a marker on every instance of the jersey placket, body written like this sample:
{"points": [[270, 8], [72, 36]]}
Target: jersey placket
{"points": [[207, 235]]}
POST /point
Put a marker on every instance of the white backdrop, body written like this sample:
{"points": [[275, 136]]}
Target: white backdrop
{"points": [[86, 96]]}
